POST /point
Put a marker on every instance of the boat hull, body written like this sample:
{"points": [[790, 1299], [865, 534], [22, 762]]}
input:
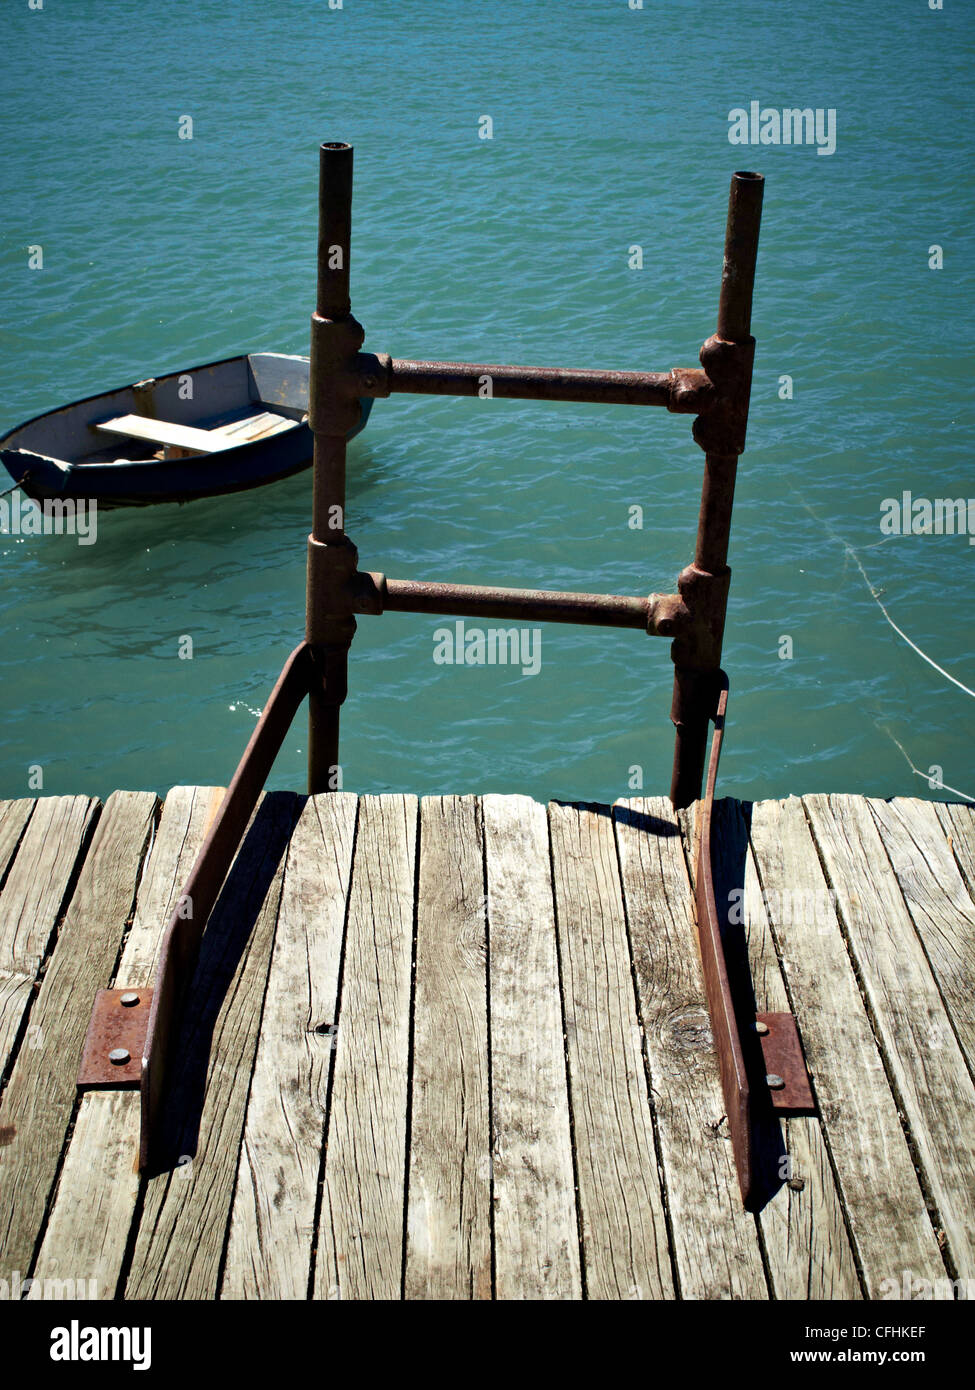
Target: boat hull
{"points": [[43, 476]]}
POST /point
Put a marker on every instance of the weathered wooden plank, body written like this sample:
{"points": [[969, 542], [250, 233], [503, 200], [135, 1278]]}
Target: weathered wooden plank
{"points": [[273, 1220], [187, 816], [925, 1061], [39, 877], [808, 1252], [624, 1239], [360, 1236], [448, 1251], [536, 1233], [715, 1244], [14, 816], [940, 906], [32, 900], [37, 1104], [958, 823], [14, 987], [97, 1191], [881, 1195], [187, 1207], [88, 1227], [15, 995]]}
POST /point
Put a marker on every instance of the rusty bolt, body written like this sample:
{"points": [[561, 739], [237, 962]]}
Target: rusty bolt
{"points": [[666, 614], [775, 1083]]}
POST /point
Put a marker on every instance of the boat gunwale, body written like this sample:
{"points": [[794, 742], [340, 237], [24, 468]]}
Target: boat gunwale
{"points": [[126, 386]]}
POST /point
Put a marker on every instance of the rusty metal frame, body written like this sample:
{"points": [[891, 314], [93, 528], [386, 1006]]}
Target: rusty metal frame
{"points": [[717, 395]]}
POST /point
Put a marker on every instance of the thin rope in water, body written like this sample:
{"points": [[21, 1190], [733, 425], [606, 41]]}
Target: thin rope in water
{"points": [[876, 598], [900, 632], [883, 728]]}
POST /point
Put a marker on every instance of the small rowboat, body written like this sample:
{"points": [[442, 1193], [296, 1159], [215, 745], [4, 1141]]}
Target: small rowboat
{"points": [[219, 428]]}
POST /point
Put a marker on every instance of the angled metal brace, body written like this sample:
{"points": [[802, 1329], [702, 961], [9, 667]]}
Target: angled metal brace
{"points": [[785, 1083], [149, 1016]]}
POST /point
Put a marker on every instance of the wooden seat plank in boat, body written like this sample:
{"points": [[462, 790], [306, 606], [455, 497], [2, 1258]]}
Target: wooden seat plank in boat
{"points": [[192, 439], [174, 436], [261, 426]]}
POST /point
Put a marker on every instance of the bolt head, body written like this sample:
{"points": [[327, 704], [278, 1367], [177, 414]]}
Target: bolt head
{"points": [[118, 1056], [775, 1083], [129, 998], [761, 1028]]}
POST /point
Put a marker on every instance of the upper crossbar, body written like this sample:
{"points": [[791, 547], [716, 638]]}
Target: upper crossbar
{"points": [[684, 390]]}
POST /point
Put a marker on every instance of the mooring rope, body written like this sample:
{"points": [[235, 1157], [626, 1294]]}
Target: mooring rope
{"points": [[900, 632], [14, 486], [875, 595], [944, 785], [876, 598]]}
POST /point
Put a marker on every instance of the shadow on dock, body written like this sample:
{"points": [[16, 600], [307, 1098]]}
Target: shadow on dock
{"points": [[729, 850]]}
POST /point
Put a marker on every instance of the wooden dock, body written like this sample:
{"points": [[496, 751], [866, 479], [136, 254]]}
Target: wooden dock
{"points": [[458, 1048]]}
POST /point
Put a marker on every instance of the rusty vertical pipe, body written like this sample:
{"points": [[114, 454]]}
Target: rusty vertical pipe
{"points": [[734, 326], [332, 411], [328, 489], [334, 229], [740, 255], [714, 517], [727, 358]]}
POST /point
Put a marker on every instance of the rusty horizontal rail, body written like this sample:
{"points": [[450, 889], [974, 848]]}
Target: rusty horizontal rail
{"points": [[658, 614], [684, 390]]}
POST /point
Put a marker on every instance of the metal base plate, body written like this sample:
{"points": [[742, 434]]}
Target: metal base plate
{"points": [[783, 1057], [118, 1026]]}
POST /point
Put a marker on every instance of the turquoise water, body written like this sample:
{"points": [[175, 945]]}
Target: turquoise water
{"points": [[610, 129]]}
